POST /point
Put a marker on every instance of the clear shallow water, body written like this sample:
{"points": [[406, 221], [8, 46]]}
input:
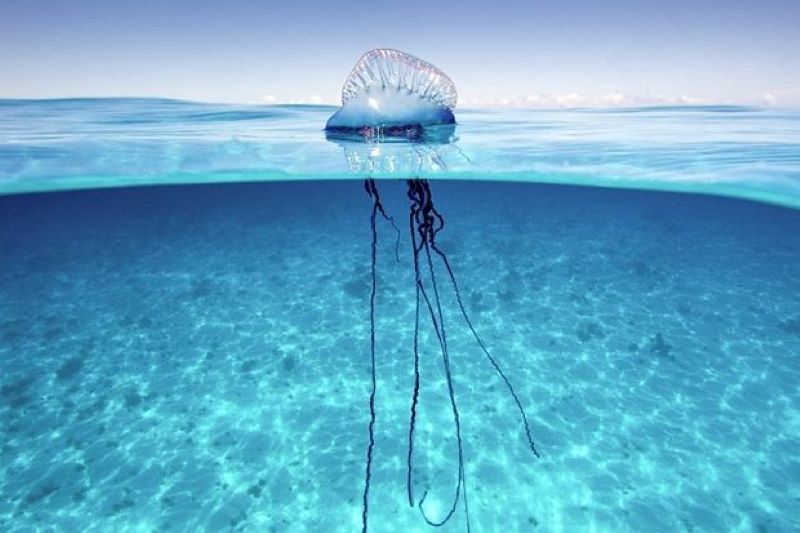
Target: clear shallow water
{"points": [[196, 357], [78, 143]]}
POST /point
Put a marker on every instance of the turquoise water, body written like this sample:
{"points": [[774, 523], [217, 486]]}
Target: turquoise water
{"points": [[196, 356], [67, 144]]}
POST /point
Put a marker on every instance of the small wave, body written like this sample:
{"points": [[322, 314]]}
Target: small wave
{"points": [[61, 102]]}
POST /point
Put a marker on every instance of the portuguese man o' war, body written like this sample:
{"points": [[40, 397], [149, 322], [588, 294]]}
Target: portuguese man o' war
{"points": [[394, 93], [393, 97]]}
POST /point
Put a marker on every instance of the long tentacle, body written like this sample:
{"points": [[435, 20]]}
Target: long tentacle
{"points": [[426, 222], [415, 395], [485, 350], [368, 474], [467, 319], [453, 403]]}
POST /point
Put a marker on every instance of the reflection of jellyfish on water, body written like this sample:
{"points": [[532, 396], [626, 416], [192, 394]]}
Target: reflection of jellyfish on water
{"points": [[393, 100]]}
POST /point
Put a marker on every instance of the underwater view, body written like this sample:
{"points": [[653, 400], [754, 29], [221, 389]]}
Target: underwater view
{"points": [[186, 355]]}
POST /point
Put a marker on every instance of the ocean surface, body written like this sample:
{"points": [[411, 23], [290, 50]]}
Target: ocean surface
{"points": [[80, 143], [193, 352]]}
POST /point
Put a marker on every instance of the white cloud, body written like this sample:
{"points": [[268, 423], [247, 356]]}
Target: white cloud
{"points": [[570, 100], [614, 99], [567, 99], [575, 99]]}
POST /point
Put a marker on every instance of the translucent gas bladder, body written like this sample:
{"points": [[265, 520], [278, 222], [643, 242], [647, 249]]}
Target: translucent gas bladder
{"points": [[391, 93]]}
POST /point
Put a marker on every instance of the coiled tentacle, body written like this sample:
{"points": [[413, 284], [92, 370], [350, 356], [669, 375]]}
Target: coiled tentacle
{"points": [[425, 222]]}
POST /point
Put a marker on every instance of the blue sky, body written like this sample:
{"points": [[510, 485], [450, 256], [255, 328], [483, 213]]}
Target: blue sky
{"points": [[576, 52]]}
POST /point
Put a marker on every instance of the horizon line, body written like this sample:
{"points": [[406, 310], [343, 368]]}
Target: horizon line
{"points": [[569, 101]]}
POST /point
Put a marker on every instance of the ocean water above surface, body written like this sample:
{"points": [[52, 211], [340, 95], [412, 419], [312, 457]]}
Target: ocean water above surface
{"points": [[81, 143], [196, 357]]}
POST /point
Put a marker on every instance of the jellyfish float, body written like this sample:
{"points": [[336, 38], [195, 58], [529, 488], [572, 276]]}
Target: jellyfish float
{"points": [[392, 93], [394, 100]]}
